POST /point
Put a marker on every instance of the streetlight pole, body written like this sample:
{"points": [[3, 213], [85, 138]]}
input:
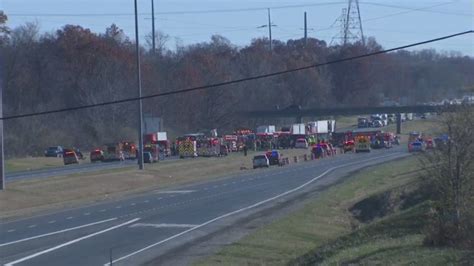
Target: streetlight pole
{"points": [[139, 87], [2, 154], [153, 25]]}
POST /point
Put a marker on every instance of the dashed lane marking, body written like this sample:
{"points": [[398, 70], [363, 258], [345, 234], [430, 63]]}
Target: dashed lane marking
{"points": [[32, 226], [69, 218], [174, 191], [56, 232], [69, 243], [163, 225], [52, 222]]}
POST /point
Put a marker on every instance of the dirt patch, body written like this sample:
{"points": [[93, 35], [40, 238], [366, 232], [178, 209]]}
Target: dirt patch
{"points": [[388, 202]]}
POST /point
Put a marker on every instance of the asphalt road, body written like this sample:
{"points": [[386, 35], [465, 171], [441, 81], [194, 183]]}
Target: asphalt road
{"points": [[138, 229]]}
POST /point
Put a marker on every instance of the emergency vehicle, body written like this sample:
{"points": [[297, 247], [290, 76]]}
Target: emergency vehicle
{"points": [[362, 144], [129, 150], [113, 152], [70, 157]]}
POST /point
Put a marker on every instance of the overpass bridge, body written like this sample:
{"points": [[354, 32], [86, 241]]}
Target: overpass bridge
{"points": [[299, 114]]}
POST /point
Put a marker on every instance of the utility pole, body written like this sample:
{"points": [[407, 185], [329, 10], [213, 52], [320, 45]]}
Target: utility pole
{"points": [[351, 24], [305, 30], [139, 87], [270, 29], [153, 25], [2, 154]]}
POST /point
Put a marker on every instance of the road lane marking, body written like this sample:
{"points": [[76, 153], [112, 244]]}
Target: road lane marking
{"points": [[56, 232], [118, 207], [163, 225], [69, 218], [87, 213], [70, 243], [174, 191], [103, 210], [241, 210], [11, 230], [133, 204], [32, 226], [146, 201], [52, 222]]}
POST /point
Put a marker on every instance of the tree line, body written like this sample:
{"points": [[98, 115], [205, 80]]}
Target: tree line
{"points": [[74, 66]]}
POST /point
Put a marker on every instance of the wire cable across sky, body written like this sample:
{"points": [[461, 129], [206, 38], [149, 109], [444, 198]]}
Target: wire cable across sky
{"points": [[236, 81]]}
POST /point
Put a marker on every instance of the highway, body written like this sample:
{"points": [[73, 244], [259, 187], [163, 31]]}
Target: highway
{"points": [[139, 229]]}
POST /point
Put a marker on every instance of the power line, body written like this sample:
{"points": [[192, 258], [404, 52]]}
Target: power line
{"points": [[234, 81], [420, 9], [230, 10]]}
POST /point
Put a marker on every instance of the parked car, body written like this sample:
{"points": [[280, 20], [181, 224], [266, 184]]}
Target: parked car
{"points": [[301, 143], [55, 151], [362, 122], [377, 123], [260, 161], [273, 157], [430, 144], [97, 155], [70, 157]]}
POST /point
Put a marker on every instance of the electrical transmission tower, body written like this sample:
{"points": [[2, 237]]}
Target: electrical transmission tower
{"points": [[351, 25]]}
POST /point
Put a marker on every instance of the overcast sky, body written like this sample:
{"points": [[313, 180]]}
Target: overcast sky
{"points": [[392, 23]]}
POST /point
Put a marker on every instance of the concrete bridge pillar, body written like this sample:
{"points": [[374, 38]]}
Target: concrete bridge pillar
{"points": [[399, 123]]}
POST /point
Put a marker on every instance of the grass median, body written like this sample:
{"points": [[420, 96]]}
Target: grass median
{"points": [[30, 196]]}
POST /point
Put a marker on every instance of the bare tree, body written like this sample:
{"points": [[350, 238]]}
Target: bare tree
{"points": [[451, 175]]}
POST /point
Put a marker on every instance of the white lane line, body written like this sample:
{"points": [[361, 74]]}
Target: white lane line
{"points": [[10, 231], [32, 226], [69, 243], [174, 191], [118, 207], [237, 211], [103, 210], [52, 222], [133, 204], [87, 213], [163, 225], [159, 198], [69, 218], [146, 201], [56, 232]]}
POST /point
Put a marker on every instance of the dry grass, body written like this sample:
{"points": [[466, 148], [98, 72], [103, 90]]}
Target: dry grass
{"points": [[32, 163], [26, 197]]}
